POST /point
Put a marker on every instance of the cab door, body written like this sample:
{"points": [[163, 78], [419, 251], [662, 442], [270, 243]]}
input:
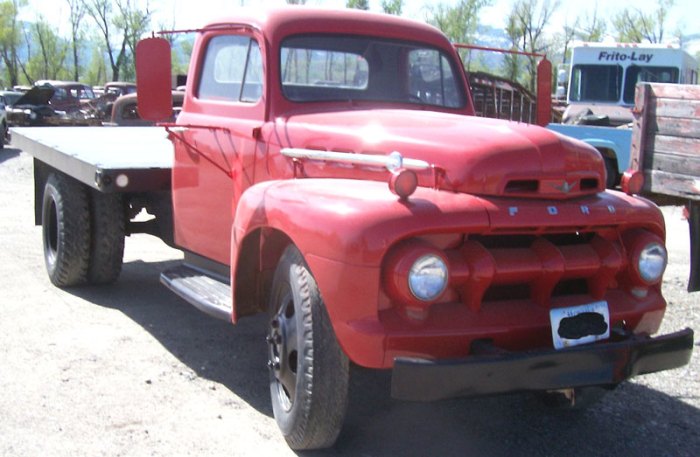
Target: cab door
{"points": [[218, 154]]}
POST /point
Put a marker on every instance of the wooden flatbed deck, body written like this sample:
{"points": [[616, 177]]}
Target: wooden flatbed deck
{"points": [[109, 159]]}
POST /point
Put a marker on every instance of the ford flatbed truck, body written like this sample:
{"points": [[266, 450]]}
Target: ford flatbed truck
{"points": [[327, 169]]}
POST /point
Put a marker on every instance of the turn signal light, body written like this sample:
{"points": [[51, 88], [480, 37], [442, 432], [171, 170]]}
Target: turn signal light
{"points": [[403, 183], [632, 182]]}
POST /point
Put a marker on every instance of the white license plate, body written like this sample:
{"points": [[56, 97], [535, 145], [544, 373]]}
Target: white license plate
{"points": [[580, 324]]}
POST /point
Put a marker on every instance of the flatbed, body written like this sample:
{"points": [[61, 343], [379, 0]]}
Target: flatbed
{"points": [[102, 157]]}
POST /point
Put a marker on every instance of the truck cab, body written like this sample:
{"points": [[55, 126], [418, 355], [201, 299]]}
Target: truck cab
{"points": [[602, 78], [600, 85]]}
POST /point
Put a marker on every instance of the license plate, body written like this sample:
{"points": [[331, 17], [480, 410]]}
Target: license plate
{"points": [[580, 324]]}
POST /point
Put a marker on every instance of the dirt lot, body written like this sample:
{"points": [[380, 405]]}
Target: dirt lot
{"points": [[131, 370]]}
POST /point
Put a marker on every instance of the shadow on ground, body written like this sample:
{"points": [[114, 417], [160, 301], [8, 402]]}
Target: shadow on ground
{"points": [[8, 153], [632, 420]]}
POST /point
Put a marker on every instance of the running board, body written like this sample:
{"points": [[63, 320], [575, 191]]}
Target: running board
{"points": [[206, 293]]}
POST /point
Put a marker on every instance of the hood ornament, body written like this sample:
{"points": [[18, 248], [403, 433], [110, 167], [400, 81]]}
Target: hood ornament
{"points": [[566, 187]]}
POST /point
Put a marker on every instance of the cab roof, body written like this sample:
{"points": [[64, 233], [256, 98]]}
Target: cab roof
{"points": [[278, 23]]}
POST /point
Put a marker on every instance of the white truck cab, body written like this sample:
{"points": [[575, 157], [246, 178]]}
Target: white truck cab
{"points": [[602, 78]]}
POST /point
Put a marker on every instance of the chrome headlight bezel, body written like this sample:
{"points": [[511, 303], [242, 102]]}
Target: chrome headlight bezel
{"points": [[652, 262], [428, 277]]}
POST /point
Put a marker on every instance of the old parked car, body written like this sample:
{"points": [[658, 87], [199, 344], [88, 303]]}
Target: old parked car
{"points": [[49, 104], [125, 111], [3, 123], [7, 99], [110, 93]]}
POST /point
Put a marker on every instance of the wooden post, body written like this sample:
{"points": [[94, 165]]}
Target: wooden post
{"points": [[544, 92]]}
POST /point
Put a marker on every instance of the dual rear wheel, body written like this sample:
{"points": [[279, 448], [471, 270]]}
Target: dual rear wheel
{"points": [[83, 233]]}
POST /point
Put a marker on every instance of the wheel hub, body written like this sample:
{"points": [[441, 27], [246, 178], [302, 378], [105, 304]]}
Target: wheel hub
{"points": [[282, 354]]}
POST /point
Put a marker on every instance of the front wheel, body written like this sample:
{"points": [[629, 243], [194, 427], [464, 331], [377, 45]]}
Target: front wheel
{"points": [[309, 372]]}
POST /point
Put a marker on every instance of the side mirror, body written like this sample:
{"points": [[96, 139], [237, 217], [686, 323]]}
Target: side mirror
{"points": [[153, 79]]}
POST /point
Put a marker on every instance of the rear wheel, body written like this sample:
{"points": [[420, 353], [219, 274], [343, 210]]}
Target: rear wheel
{"points": [[107, 237], [3, 135], [309, 372], [66, 230]]}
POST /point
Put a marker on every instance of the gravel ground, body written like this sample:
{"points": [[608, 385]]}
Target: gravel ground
{"points": [[131, 370]]}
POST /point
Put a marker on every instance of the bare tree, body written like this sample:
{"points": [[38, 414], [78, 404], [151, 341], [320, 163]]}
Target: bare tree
{"points": [[77, 13]]}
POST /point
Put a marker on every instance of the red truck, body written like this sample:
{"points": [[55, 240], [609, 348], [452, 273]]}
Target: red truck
{"points": [[326, 169]]}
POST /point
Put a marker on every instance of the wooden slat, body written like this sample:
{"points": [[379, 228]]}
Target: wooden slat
{"points": [[673, 163], [672, 145], [661, 182], [682, 108], [670, 126], [679, 91]]}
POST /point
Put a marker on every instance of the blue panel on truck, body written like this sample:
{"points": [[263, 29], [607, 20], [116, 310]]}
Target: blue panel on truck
{"points": [[618, 140]]}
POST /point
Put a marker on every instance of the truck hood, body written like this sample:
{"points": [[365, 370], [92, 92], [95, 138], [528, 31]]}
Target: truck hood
{"points": [[471, 155], [36, 96]]}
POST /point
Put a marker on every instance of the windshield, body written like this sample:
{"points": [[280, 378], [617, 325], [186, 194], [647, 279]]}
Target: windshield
{"points": [[332, 68], [604, 83], [636, 74], [596, 83]]}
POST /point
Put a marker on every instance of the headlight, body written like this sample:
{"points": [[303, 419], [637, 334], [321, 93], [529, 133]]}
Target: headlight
{"points": [[652, 262], [427, 278]]}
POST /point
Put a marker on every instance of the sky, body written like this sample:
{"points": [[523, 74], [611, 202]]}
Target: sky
{"points": [[193, 14]]}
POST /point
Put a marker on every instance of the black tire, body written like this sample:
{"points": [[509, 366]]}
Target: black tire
{"points": [[309, 373], [107, 237], [3, 135], [65, 224], [611, 172]]}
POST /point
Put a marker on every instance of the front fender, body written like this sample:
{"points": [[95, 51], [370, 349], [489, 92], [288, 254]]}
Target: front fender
{"points": [[343, 228], [351, 221]]}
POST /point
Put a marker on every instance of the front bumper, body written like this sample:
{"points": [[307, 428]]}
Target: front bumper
{"points": [[589, 365]]}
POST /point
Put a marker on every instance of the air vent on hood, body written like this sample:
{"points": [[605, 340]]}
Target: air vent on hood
{"points": [[559, 188]]}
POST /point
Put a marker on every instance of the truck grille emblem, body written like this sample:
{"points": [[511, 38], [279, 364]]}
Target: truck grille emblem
{"points": [[566, 187]]}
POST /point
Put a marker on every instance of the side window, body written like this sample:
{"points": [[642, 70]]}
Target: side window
{"points": [[232, 71], [431, 79]]}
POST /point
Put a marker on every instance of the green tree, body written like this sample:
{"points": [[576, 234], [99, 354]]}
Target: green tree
{"points": [[358, 4], [96, 72], [10, 39], [634, 26], [49, 60], [394, 7], [77, 13], [123, 25], [458, 22], [593, 28], [135, 22], [529, 20]]}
